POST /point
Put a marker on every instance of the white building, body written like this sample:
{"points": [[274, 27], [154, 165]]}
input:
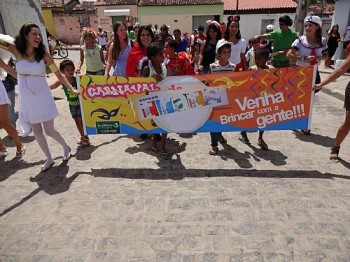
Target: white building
{"points": [[255, 15]]}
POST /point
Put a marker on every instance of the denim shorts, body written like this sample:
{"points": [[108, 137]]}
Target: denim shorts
{"points": [[101, 72], [75, 111]]}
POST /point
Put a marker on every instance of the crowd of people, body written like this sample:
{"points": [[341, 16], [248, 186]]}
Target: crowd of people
{"points": [[140, 50]]}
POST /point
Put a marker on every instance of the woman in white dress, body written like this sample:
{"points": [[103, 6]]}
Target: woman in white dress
{"points": [[4, 119], [37, 108]]}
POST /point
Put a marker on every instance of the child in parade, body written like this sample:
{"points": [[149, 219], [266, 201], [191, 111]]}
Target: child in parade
{"points": [[222, 65], [176, 65], [154, 67], [196, 55], [67, 68], [261, 57], [92, 53]]}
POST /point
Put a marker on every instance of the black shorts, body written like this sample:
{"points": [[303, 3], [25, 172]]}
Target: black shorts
{"points": [[347, 98]]}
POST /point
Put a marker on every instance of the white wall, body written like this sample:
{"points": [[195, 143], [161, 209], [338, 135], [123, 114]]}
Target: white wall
{"points": [[250, 24], [16, 13], [341, 17]]}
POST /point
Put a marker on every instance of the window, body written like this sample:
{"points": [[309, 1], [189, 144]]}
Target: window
{"points": [[264, 23]]}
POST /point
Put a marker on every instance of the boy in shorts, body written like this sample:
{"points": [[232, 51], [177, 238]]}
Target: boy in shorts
{"points": [[67, 68]]}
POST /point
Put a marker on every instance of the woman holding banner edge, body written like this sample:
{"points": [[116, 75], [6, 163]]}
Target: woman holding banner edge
{"points": [[344, 128]]}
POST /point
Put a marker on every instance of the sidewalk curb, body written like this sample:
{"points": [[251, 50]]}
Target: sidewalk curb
{"points": [[333, 93]]}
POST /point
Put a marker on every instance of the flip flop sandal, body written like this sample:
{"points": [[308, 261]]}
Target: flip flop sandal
{"points": [[21, 152], [334, 154]]}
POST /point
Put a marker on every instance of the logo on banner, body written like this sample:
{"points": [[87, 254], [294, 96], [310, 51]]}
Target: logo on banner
{"points": [[108, 127]]}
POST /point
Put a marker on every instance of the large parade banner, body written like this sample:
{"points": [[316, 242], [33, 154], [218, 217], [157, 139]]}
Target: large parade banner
{"points": [[275, 99]]}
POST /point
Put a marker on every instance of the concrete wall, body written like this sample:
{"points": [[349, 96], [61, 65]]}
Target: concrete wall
{"points": [[342, 18], [16, 13], [106, 21], [68, 27], [250, 24], [177, 16], [49, 22]]}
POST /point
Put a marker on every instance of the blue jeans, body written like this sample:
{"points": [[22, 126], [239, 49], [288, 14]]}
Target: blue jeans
{"points": [[11, 109]]}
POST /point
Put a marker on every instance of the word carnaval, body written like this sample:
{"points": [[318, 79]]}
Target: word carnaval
{"points": [[119, 90]]}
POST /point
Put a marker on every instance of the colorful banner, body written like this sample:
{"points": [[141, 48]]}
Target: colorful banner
{"points": [[275, 99]]}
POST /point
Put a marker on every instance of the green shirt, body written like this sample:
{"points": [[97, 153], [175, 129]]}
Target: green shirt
{"points": [[282, 40], [73, 99]]}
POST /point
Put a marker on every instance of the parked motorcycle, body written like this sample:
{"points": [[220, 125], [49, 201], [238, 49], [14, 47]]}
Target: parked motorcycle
{"points": [[57, 49]]}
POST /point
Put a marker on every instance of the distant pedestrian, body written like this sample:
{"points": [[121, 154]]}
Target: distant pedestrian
{"points": [[344, 129], [164, 35], [333, 40], [68, 69], [102, 38], [92, 53], [346, 40]]}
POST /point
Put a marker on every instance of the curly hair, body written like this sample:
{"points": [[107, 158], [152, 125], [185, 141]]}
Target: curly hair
{"points": [[21, 42]]}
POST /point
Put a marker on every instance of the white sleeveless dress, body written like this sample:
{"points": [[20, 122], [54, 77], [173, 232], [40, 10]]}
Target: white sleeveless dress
{"points": [[36, 103]]}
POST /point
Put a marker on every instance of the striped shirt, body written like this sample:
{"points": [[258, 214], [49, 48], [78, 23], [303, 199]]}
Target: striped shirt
{"points": [[216, 68]]}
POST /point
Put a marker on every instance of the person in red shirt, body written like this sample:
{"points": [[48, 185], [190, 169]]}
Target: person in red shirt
{"points": [[176, 65], [200, 34]]}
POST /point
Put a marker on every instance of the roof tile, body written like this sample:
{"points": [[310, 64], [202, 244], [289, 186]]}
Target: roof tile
{"points": [[179, 2], [258, 4]]}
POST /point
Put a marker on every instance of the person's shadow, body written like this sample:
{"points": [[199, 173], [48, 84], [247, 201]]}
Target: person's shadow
{"points": [[84, 153], [54, 181], [229, 152], [317, 139]]}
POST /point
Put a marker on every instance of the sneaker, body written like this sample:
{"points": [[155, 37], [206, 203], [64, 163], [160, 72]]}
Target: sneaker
{"points": [[244, 138]]}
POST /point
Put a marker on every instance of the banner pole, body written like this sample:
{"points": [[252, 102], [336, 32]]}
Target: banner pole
{"points": [[312, 99]]}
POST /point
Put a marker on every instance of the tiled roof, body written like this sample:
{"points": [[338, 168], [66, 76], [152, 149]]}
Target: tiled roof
{"points": [[179, 2], [116, 2], [51, 3], [316, 9], [258, 4]]}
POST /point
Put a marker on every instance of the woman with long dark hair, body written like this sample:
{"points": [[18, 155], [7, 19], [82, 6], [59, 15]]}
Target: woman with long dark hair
{"points": [[119, 50], [239, 45], [208, 47], [310, 48], [37, 109], [144, 38], [333, 40]]}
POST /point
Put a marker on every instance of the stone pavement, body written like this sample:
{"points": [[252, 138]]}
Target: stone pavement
{"points": [[118, 201]]}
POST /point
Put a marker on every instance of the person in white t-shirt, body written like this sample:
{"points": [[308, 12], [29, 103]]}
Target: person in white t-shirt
{"points": [[239, 45], [102, 40]]}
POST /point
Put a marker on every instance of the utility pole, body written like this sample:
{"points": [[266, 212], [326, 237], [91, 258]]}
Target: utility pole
{"points": [[237, 4]]}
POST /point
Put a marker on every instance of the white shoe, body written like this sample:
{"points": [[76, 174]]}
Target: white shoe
{"points": [[67, 155], [47, 165]]}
